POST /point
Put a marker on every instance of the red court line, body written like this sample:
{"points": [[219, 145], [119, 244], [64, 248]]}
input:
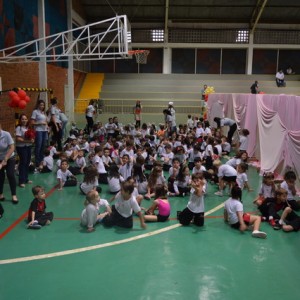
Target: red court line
{"points": [[136, 219], [21, 218]]}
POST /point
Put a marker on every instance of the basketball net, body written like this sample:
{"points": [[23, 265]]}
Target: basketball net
{"points": [[140, 55]]}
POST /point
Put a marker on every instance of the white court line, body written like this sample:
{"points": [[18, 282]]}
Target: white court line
{"points": [[84, 249]]}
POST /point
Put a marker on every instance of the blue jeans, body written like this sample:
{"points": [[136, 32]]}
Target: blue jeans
{"points": [[25, 157], [40, 144]]}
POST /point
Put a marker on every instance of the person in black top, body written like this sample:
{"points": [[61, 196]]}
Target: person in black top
{"points": [[254, 88], [37, 215]]}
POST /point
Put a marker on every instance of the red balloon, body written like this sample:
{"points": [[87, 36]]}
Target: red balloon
{"points": [[12, 94], [22, 94], [15, 100], [11, 104], [27, 99], [22, 104]]}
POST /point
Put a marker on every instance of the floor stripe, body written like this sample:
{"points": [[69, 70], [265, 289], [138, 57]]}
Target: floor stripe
{"points": [[21, 218], [84, 249]]}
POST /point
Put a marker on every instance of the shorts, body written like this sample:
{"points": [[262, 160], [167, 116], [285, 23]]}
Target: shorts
{"points": [[229, 178], [246, 218], [162, 218], [293, 220]]}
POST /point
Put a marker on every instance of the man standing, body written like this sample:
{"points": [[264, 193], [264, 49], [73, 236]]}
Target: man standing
{"points": [[254, 88]]}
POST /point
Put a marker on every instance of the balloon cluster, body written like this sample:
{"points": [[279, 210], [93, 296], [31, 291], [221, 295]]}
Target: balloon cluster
{"points": [[208, 90], [18, 99]]}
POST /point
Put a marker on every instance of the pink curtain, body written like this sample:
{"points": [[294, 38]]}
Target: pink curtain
{"points": [[273, 122]]}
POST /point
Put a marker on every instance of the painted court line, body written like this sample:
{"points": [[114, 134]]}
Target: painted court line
{"points": [[84, 249], [21, 218]]}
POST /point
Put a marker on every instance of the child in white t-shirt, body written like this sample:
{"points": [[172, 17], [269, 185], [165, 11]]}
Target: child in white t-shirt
{"points": [[235, 216], [90, 215], [46, 166], [125, 205], [64, 176]]}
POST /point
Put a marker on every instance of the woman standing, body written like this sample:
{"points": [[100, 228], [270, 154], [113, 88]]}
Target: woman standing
{"points": [[55, 122], [39, 121], [23, 146], [7, 164], [89, 113], [221, 122]]}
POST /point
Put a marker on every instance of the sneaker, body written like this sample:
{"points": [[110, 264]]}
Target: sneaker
{"points": [[272, 222], [219, 193], [34, 226], [36, 171], [263, 219], [277, 226], [259, 234]]}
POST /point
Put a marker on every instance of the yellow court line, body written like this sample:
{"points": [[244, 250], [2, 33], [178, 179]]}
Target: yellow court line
{"points": [[84, 249]]}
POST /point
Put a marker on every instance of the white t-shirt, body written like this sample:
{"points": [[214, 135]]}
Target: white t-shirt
{"points": [[232, 206], [86, 187], [98, 163], [201, 170], [125, 207], [226, 170], [48, 162], [89, 215], [290, 196], [244, 143], [39, 117], [90, 111], [233, 162], [63, 175], [114, 184], [226, 122], [196, 203], [20, 131], [241, 178]]}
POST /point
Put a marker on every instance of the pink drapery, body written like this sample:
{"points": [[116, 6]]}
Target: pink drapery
{"points": [[239, 107], [273, 122]]}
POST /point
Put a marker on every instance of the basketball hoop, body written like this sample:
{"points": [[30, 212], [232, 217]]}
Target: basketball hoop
{"points": [[140, 55]]}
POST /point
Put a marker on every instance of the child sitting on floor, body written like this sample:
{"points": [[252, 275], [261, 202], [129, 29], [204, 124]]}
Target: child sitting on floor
{"points": [[122, 210], [161, 204], [195, 207], [90, 216], [64, 176], [237, 219], [37, 215]]}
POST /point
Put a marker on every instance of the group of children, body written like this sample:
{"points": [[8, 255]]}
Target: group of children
{"points": [[134, 163]]}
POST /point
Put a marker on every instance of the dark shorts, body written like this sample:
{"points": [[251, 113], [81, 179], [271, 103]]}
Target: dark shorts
{"points": [[246, 218], [293, 220], [229, 178], [162, 218]]}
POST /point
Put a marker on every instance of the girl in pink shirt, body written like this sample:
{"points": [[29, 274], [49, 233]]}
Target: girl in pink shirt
{"points": [[161, 204]]}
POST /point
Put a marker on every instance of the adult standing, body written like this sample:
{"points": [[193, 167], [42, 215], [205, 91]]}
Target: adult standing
{"points": [[173, 114], [203, 92], [137, 113], [254, 87], [55, 123], [89, 113], [39, 121], [7, 164], [221, 122], [24, 141], [280, 78]]}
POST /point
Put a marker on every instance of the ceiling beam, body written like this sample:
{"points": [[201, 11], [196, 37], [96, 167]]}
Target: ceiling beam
{"points": [[257, 14]]}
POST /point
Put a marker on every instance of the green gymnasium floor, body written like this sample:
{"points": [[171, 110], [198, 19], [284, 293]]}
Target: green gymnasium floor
{"points": [[165, 261]]}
